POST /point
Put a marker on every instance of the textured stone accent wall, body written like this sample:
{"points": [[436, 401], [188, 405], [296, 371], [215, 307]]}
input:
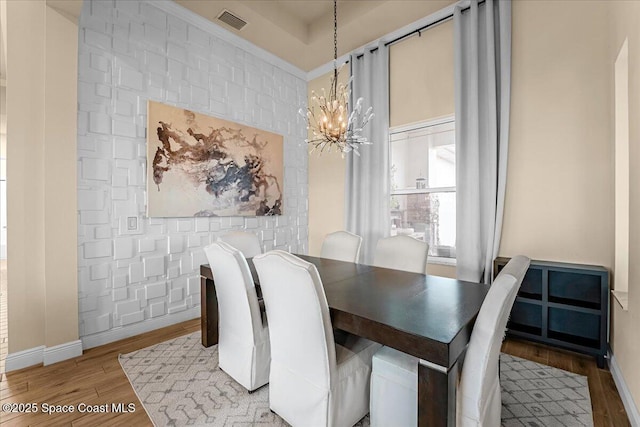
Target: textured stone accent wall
{"points": [[131, 52]]}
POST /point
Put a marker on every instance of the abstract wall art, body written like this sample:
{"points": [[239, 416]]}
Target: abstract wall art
{"points": [[198, 165]]}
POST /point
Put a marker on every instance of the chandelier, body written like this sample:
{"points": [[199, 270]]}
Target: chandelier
{"points": [[328, 117]]}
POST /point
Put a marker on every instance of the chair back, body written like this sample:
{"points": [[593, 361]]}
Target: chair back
{"points": [[516, 267], [479, 401], [341, 246], [247, 243], [238, 309], [302, 342], [402, 253]]}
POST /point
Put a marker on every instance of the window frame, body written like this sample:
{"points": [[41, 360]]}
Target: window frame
{"points": [[403, 192]]}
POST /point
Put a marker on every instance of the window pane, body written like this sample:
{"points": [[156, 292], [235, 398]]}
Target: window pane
{"points": [[409, 163], [442, 160], [430, 217], [424, 157]]}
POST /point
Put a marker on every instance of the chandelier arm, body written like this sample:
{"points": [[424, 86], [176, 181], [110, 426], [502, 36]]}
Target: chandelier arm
{"points": [[334, 125]]}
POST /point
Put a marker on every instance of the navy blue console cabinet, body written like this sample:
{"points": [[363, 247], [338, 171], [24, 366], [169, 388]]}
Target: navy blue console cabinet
{"points": [[563, 305]]}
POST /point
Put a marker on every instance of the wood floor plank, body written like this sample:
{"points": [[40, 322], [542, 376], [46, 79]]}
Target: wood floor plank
{"points": [[615, 407], [14, 387], [527, 351], [561, 360], [13, 422], [582, 365], [601, 420], [598, 397], [113, 419], [110, 365], [116, 381], [57, 420]]}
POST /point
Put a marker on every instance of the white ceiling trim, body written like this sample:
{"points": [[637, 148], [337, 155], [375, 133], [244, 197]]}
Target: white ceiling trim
{"points": [[427, 20], [226, 35]]}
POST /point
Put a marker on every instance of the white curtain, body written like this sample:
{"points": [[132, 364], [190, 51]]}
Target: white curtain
{"points": [[482, 52], [367, 175]]}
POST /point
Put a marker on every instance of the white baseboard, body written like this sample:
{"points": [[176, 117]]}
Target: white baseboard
{"points": [[625, 394], [123, 332], [61, 352], [44, 355], [24, 358], [71, 349]]}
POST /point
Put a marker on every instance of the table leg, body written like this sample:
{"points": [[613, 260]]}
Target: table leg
{"points": [[437, 396], [208, 312]]}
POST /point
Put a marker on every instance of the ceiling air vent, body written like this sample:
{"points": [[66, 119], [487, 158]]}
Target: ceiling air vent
{"points": [[232, 20]]}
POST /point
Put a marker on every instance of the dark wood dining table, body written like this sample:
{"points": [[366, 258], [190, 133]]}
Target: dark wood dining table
{"points": [[428, 317]]}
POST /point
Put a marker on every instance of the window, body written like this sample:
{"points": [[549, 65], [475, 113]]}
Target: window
{"points": [[621, 284], [423, 184]]}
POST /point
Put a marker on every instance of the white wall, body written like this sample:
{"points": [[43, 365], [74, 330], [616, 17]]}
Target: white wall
{"points": [[624, 23], [41, 146], [3, 169], [25, 214], [326, 181], [60, 177], [559, 196], [131, 52]]}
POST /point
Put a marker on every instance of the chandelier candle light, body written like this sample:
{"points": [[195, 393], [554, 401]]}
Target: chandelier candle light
{"points": [[327, 115]]}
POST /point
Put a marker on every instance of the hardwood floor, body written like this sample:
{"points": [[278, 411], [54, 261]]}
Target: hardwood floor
{"points": [[96, 378], [605, 400]]}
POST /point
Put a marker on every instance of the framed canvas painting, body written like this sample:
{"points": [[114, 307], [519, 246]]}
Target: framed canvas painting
{"points": [[198, 165]]}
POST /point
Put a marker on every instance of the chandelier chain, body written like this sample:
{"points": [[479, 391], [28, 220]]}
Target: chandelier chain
{"points": [[330, 121], [335, 30], [335, 44]]}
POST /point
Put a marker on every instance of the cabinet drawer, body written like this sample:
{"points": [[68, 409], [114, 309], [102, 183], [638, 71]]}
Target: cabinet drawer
{"points": [[532, 284], [574, 327], [526, 317], [582, 290]]}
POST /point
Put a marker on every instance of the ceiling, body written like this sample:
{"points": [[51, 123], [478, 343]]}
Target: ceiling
{"points": [[69, 8], [301, 31]]}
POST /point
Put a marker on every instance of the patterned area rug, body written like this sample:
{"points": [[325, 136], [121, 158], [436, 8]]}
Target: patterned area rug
{"points": [[179, 384], [536, 395]]}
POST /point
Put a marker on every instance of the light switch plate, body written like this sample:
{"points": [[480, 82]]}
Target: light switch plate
{"points": [[132, 223]]}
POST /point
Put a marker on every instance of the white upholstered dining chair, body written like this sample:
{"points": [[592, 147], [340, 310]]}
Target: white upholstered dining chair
{"points": [[314, 381], [243, 344], [394, 378], [402, 253], [341, 246], [247, 243]]}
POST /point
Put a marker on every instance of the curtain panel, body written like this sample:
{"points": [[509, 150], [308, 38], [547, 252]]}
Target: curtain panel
{"points": [[367, 174], [482, 55]]}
